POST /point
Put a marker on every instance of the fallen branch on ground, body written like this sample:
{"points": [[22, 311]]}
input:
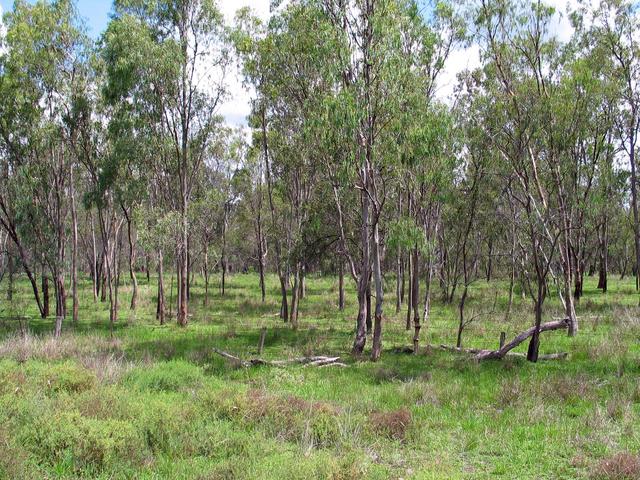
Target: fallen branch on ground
{"points": [[316, 361]]}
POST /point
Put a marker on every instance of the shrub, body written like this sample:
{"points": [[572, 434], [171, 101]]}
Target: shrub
{"points": [[89, 443], [393, 424], [67, 376], [13, 460], [172, 376], [621, 466]]}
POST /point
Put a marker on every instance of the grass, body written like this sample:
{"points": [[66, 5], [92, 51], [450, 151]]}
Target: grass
{"points": [[155, 402]]}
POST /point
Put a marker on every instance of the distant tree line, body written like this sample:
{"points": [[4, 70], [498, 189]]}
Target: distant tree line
{"points": [[115, 161]]}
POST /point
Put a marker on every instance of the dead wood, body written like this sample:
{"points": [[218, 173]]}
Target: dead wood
{"points": [[507, 347], [315, 361]]}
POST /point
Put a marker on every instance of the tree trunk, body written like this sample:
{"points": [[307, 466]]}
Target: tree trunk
{"points": [[11, 267], [160, 303], [398, 282], [490, 262], [295, 297], [223, 258], [604, 257], [369, 310], [284, 305], [461, 324], [260, 252], [206, 276], [634, 203], [183, 268], [132, 260], [409, 293], [415, 298], [74, 251], [45, 294], [376, 349], [341, 285], [534, 343], [94, 261]]}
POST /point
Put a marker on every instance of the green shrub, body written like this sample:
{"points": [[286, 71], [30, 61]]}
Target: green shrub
{"points": [[88, 443], [172, 376], [66, 376]]}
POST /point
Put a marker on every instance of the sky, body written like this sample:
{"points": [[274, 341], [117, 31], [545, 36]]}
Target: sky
{"points": [[235, 109]]}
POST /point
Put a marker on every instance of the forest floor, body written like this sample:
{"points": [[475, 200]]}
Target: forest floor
{"points": [[157, 402]]}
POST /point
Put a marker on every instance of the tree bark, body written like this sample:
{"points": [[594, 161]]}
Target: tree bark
{"points": [[160, 303], [74, 251], [341, 285], [132, 259], [376, 349]]}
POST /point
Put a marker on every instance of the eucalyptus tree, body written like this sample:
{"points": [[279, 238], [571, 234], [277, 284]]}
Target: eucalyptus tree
{"points": [[45, 59], [172, 54], [289, 71], [388, 60], [613, 28], [517, 50]]}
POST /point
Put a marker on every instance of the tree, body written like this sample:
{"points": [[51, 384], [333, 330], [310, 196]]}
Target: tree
{"points": [[172, 54]]}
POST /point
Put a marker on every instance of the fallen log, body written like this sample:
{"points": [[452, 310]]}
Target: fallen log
{"points": [[501, 352], [315, 361]]}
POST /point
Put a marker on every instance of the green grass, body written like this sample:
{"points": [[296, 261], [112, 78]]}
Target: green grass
{"points": [[156, 402]]}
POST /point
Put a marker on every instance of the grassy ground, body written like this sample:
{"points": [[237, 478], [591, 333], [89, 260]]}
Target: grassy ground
{"points": [[156, 402]]}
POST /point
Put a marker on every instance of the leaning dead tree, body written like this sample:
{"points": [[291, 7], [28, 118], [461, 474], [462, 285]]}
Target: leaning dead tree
{"points": [[507, 347]]}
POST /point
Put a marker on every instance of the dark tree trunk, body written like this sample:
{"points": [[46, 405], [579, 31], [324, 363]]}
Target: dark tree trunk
{"points": [[415, 298], [160, 303], [341, 286], [490, 262], [45, 294], [11, 267], [369, 322]]}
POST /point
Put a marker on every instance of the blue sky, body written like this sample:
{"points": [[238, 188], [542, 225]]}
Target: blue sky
{"points": [[95, 12]]}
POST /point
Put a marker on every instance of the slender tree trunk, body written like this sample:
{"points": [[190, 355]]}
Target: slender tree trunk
{"points": [[341, 285], [376, 349], [410, 291], [94, 261], [398, 282], [74, 251], [415, 297], [183, 261], [260, 251], [284, 305], [490, 261], [427, 296], [634, 202], [206, 276], [364, 278], [160, 304], [461, 324], [295, 297], [45, 293], [604, 257], [11, 267], [534, 343], [132, 260], [369, 310]]}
